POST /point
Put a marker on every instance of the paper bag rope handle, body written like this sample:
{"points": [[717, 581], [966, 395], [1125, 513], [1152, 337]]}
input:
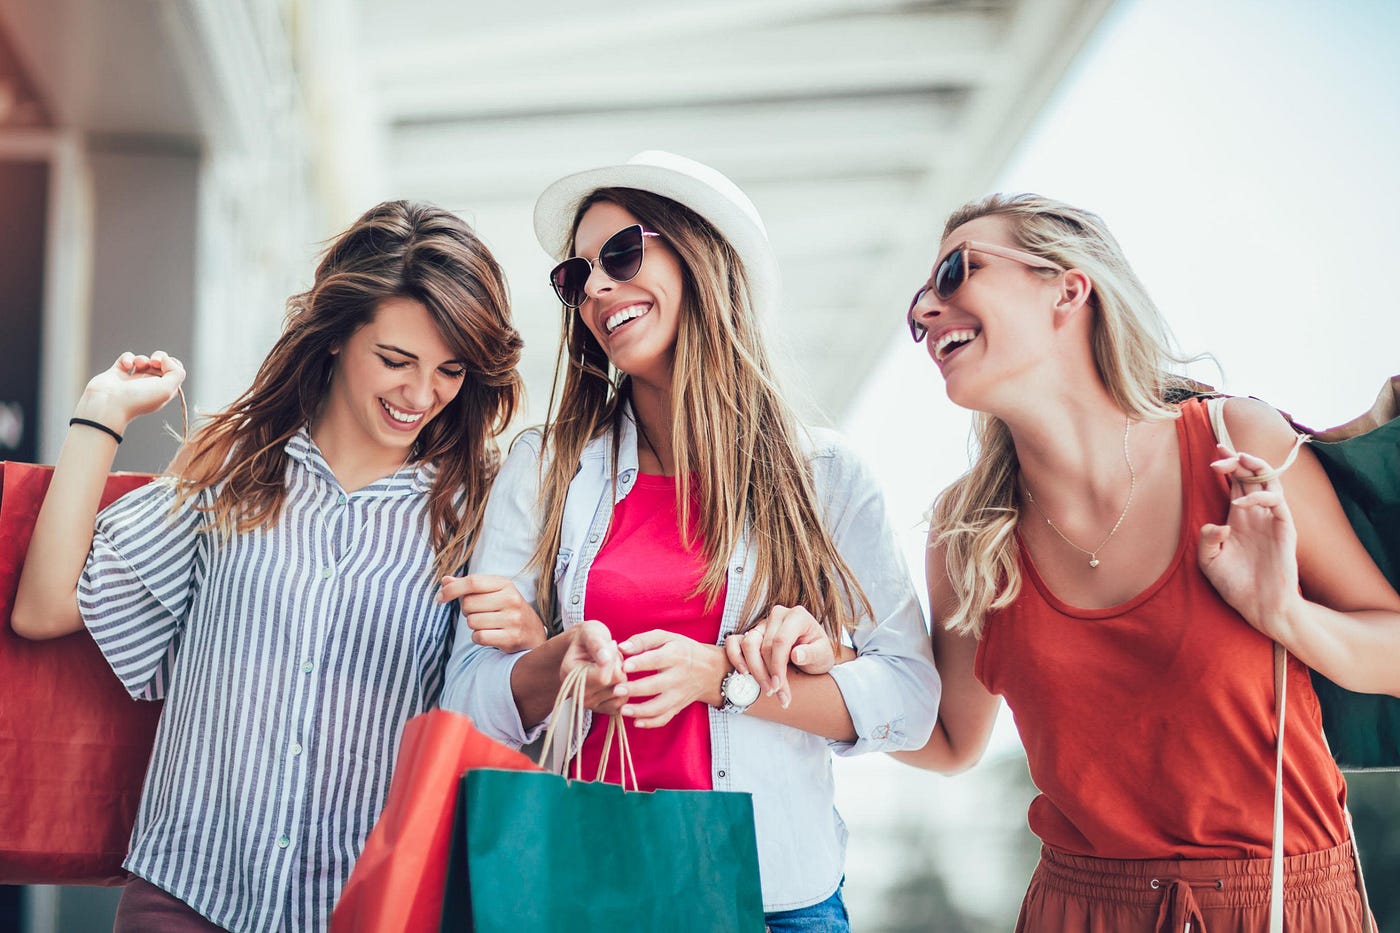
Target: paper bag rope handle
{"points": [[569, 705]]}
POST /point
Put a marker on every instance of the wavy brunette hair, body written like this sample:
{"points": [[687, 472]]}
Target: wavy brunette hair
{"points": [[735, 441], [398, 249]]}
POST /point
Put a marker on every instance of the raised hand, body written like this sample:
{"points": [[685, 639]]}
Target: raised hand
{"points": [[495, 612], [134, 385], [679, 670], [1252, 560], [790, 635]]}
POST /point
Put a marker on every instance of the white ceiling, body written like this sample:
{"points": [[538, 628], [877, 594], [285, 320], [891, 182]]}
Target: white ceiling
{"points": [[853, 124]]}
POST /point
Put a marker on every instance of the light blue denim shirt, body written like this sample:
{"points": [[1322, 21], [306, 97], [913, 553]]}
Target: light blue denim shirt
{"points": [[891, 689]]}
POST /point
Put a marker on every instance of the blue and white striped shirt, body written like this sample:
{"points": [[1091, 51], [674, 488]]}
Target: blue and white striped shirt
{"points": [[289, 659]]}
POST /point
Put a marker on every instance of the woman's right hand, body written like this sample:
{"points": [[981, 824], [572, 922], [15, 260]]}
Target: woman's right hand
{"points": [[134, 385], [592, 644]]}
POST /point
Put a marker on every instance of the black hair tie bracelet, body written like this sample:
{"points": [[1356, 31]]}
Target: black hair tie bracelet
{"points": [[98, 425]]}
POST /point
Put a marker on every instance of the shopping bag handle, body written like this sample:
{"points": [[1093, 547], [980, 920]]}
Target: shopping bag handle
{"points": [[569, 705]]}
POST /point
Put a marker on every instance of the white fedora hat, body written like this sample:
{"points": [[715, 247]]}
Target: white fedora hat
{"points": [[685, 181]]}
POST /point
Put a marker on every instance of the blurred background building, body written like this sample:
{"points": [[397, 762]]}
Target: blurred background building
{"points": [[169, 167]]}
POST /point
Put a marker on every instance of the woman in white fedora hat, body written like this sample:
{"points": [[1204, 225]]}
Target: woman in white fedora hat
{"points": [[725, 558]]}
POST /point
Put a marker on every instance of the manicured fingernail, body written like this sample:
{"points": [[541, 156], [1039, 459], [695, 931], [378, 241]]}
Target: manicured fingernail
{"points": [[784, 698], [626, 646], [799, 655]]}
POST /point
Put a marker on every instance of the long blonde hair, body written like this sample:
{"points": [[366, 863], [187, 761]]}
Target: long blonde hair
{"points": [[735, 441], [975, 518], [398, 248]]}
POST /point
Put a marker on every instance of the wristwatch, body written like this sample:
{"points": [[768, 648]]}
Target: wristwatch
{"points": [[739, 692]]}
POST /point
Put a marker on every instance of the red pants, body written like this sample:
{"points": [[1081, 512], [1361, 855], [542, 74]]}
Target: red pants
{"points": [[145, 908], [1075, 894]]}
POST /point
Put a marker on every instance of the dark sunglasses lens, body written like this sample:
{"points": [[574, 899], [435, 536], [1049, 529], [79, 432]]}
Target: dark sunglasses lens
{"points": [[916, 328], [569, 279], [949, 276], [621, 256]]}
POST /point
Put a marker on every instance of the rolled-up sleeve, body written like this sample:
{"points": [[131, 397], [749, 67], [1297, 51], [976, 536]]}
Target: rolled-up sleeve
{"points": [[891, 688], [477, 681], [138, 582]]}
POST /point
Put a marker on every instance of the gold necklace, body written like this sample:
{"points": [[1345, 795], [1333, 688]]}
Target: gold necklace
{"points": [[1132, 484]]}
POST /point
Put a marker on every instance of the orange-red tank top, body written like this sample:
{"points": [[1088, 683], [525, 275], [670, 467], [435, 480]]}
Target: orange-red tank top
{"points": [[1150, 726]]}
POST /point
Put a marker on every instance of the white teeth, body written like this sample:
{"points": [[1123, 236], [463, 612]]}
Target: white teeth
{"points": [[948, 338], [617, 319], [400, 416]]}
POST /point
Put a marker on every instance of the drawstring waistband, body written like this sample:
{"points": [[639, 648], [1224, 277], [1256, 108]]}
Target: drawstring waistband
{"points": [[1181, 891]]}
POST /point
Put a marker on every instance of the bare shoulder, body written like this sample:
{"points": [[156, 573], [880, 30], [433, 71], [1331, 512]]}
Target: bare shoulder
{"points": [[1258, 428]]}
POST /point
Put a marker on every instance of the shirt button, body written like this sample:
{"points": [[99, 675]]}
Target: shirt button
{"points": [[296, 748], [883, 732], [307, 666], [721, 774], [739, 569], [283, 842], [575, 600], [340, 499], [592, 538], [326, 573]]}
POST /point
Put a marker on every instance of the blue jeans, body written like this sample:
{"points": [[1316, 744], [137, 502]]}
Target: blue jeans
{"points": [[827, 917]]}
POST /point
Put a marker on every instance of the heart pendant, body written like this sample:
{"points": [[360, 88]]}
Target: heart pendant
{"points": [[1094, 562]]}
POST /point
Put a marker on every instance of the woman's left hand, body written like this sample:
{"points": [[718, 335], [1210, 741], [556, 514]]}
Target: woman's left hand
{"points": [[1252, 560], [681, 671], [788, 636]]}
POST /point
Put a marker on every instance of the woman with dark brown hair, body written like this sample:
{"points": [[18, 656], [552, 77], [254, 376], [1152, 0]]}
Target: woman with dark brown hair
{"points": [[279, 586]]}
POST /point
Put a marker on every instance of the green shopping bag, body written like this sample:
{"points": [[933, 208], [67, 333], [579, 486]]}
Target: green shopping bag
{"points": [[1363, 729], [534, 852]]}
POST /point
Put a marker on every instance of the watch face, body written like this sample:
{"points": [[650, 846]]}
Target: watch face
{"points": [[741, 689]]}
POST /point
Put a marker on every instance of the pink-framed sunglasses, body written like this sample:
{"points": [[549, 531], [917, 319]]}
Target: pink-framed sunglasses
{"points": [[954, 270]]}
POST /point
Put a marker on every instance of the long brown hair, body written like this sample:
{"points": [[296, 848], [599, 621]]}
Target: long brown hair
{"points": [[396, 249], [735, 441]]}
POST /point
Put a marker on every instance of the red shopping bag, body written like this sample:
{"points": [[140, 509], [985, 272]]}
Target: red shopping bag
{"points": [[73, 745], [397, 883]]}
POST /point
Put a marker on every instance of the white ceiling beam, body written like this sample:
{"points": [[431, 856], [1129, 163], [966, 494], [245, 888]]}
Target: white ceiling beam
{"points": [[881, 55], [541, 34], [680, 86], [517, 157]]}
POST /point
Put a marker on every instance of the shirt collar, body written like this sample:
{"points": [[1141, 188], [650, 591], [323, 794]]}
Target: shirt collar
{"points": [[409, 479]]}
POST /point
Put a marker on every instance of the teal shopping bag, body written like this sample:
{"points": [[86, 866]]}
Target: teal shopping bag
{"points": [[1363, 729], [533, 852]]}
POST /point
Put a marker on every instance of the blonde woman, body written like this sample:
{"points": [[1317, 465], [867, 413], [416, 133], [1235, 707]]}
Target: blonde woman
{"points": [[1107, 569], [720, 553], [279, 588]]}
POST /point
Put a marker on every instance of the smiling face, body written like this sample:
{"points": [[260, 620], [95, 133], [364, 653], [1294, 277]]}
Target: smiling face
{"points": [[635, 322], [391, 378], [996, 325]]}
